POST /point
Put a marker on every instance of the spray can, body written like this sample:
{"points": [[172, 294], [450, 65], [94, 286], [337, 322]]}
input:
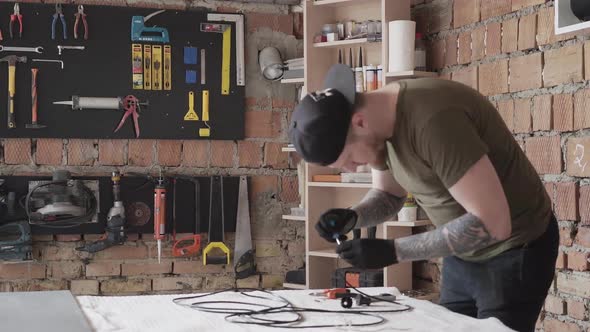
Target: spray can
{"points": [[371, 78], [379, 77], [359, 79]]}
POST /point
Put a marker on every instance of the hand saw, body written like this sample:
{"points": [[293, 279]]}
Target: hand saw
{"points": [[243, 254]]}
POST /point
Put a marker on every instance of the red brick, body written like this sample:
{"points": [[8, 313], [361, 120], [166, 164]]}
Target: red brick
{"points": [[436, 54], [84, 287], [42, 237], [527, 32], [121, 286], [561, 262], [64, 270], [169, 152], [222, 153], [103, 269], [263, 184], [464, 44], [196, 267], [577, 156], [493, 78], [258, 104], [144, 268], [577, 261], [123, 252], [439, 16], [63, 251], [525, 72], [546, 27], [563, 112], [272, 281], [494, 8], [566, 200], [68, 237], [112, 152], [553, 325], [465, 12], [576, 309], [522, 115], [49, 151], [141, 152], [555, 305], [478, 46], [587, 60], [563, 65], [467, 76], [249, 154], [282, 104], [542, 112], [39, 285], [262, 124], [510, 35], [584, 204], [550, 189], [545, 154], [451, 50], [519, 4], [250, 282], [281, 23], [289, 189], [22, 270], [274, 157], [17, 151], [183, 283], [582, 238], [81, 152], [581, 106], [506, 110], [573, 284], [493, 39], [298, 25], [195, 153]]}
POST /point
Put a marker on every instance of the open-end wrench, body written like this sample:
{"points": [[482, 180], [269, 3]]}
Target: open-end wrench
{"points": [[37, 49]]}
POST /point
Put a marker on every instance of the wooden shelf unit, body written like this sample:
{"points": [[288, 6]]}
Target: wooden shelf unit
{"points": [[298, 218], [293, 80]]}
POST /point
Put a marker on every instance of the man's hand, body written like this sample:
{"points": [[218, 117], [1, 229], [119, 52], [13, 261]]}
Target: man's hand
{"points": [[368, 253], [334, 223]]}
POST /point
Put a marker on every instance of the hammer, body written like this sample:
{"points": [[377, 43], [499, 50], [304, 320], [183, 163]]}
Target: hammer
{"points": [[12, 60]]}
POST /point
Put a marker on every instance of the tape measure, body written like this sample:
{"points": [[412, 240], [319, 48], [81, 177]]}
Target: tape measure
{"points": [[191, 115]]}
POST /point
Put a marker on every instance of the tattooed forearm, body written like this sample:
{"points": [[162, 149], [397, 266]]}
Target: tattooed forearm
{"points": [[460, 236], [376, 207]]}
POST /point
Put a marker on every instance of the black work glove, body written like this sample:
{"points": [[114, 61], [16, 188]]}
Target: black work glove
{"points": [[368, 253], [334, 223]]}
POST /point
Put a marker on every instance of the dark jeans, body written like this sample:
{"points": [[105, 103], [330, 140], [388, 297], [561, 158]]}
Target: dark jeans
{"points": [[511, 286]]}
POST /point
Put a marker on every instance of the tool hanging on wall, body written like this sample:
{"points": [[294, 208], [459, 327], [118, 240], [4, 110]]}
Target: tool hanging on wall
{"points": [[47, 60], [16, 16], [190, 55], [137, 68], [238, 19], [34, 124], [12, 60], [191, 115], [147, 72], [129, 104], [115, 228], [157, 67], [189, 245], [160, 213], [81, 15], [167, 67], [16, 241], [205, 132], [203, 78], [225, 30], [216, 225], [243, 253], [38, 49], [61, 48], [141, 33], [59, 15]]}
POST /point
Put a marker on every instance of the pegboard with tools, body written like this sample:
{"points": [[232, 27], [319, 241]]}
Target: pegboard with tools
{"points": [[178, 74]]}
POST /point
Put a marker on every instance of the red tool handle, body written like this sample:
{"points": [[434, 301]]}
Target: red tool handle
{"points": [[159, 212], [34, 72]]}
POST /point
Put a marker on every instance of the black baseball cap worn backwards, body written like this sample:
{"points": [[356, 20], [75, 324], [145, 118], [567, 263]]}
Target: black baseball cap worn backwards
{"points": [[320, 122]]}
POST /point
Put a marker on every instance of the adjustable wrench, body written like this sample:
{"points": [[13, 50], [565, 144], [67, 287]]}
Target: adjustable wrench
{"points": [[37, 49]]}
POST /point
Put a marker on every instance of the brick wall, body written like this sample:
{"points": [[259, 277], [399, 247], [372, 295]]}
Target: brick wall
{"points": [[133, 268], [507, 50]]}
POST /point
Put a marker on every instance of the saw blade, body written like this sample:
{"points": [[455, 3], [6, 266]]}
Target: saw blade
{"points": [[138, 214]]}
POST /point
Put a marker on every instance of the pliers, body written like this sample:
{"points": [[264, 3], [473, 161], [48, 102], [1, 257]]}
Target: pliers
{"points": [[131, 107], [79, 15], [13, 18], [59, 13]]}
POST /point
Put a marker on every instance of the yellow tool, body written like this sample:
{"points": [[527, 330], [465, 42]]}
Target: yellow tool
{"points": [[157, 67], [12, 60], [167, 67], [191, 115], [147, 66], [205, 132], [137, 61], [224, 29]]}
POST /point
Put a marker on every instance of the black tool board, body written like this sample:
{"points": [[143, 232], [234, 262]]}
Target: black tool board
{"points": [[104, 69], [136, 189]]}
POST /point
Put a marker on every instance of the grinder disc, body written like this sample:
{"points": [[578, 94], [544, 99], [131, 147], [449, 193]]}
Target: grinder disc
{"points": [[138, 214]]}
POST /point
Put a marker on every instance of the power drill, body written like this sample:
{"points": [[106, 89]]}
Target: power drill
{"points": [[115, 229]]}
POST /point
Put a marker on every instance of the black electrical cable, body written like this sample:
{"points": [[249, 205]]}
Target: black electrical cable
{"points": [[260, 317]]}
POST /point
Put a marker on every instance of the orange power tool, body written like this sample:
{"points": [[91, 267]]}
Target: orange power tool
{"points": [[333, 293], [160, 214]]}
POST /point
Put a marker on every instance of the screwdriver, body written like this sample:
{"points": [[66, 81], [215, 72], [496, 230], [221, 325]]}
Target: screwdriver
{"points": [[159, 214]]}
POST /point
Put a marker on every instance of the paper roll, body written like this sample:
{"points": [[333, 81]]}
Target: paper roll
{"points": [[402, 38]]}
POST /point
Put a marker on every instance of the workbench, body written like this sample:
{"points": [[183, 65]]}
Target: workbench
{"points": [[159, 313]]}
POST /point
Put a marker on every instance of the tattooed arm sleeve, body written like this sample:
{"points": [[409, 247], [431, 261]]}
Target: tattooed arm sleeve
{"points": [[376, 207], [459, 236]]}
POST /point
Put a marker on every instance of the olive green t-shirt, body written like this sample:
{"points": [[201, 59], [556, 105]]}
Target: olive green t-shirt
{"points": [[442, 128]]}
